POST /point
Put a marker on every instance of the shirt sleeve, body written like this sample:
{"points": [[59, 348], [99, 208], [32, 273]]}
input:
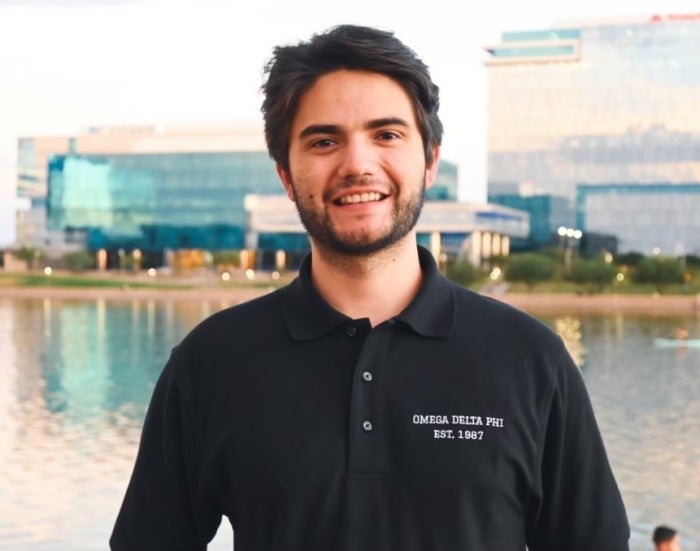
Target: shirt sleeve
{"points": [[580, 506], [160, 509]]}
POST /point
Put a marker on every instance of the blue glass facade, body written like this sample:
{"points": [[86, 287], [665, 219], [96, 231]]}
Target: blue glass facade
{"points": [[547, 213], [660, 218], [446, 181], [157, 201], [173, 200]]}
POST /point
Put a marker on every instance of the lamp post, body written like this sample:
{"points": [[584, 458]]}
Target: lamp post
{"points": [[571, 237]]}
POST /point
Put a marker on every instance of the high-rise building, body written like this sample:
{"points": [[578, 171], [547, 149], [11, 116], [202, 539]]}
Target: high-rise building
{"points": [[613, 103]]}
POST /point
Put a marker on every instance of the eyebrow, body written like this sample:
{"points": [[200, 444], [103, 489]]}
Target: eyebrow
{"points": [[387, 121], [335, 129]]}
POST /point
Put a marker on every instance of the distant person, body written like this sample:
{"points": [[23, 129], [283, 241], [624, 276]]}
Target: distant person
{"points": [[372, 404], [666, 539]]}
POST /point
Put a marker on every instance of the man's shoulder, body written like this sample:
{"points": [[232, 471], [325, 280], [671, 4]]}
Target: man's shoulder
{"points": [[489, 306], [262, 313], [485, 313]]}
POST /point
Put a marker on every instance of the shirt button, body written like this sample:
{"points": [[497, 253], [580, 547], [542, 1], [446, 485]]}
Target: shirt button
{"points": [[367, 426], [367, 376], [351, 331]]}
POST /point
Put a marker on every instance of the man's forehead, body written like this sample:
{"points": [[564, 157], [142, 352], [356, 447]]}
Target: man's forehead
{"points": [[358, 98]]}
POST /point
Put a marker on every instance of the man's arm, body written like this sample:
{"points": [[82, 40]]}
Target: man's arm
{"points": [[159, 510], [581, 508]]}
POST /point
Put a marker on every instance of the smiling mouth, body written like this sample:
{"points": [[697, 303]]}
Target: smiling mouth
{"points": [[365, 197]]}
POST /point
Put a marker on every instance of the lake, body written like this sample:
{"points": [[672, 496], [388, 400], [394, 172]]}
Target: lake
{"points": [[76, 377]]}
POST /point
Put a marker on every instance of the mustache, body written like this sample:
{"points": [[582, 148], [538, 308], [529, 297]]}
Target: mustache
{"points": [[349, 182]]}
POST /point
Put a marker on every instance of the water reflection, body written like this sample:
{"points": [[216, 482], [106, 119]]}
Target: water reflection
{"points": [[569, 329], [646, 403], [76, 378]]}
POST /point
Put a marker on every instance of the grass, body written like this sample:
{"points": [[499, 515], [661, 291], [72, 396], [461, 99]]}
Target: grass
{"points": [[93, 280], [108, 280], [79, 281], [626, 288]]}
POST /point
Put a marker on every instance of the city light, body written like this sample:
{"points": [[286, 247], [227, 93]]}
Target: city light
{"points": [[570, 236]]}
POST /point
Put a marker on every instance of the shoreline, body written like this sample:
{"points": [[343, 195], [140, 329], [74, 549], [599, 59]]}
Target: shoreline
{"points": [[535, 303], [550, 303]]}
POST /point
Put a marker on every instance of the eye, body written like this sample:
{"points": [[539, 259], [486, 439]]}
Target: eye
{"points": [[323, 143], [388, 135]]}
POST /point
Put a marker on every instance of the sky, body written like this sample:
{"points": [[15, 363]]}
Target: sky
{"points": [[69, 64]]}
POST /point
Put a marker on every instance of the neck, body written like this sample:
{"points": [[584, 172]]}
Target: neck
{"points": [[377, 286]]}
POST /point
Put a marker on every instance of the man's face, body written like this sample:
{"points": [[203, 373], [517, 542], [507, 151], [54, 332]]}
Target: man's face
{"points": [[357, 168], [674, 544]]}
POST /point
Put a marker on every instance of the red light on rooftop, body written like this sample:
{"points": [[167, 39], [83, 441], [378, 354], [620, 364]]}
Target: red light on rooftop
{"points": [[656, 18]]}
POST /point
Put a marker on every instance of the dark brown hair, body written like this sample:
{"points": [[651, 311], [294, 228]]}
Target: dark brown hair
{"points": [[662, 534], [293, 69]]}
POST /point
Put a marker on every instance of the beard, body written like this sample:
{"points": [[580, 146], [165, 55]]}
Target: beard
{"points": [[326, 235]]}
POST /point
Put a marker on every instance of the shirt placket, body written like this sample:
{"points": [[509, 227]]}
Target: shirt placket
{"points": [[367, 426]]}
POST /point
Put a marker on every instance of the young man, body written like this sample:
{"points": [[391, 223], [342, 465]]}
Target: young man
{"points": [[372, 404], [666, 539]]}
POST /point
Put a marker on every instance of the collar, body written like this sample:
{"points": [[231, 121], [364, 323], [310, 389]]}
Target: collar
{"points": [[431, 313]]}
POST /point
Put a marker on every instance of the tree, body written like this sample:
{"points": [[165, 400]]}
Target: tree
{"points": [[461, 271], [228, 259], [598, 274], [659, 270], [79, 261], [30, 255], [529, 268], [631, 259]]}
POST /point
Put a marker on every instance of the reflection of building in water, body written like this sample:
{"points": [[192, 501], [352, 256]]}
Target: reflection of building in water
{"points": [[569, 329], [103, 359], [97, 358], [80, 375], [21, 357], [8, 376], [74, 372]]}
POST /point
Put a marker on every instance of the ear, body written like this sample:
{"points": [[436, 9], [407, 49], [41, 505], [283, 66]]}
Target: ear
{"points": [[432, 168], [286, 180]]}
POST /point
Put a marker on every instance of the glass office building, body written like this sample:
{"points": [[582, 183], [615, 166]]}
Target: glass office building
{"points": [[612, 102], [173, 200], [651, 219], [155, 188], [157, 201], [547, 214]]}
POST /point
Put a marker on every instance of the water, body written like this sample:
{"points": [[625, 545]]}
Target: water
{"points": [[75, 379]]}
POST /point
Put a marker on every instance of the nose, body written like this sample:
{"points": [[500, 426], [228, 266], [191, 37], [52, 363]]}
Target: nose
{"points": [[357, 159]]}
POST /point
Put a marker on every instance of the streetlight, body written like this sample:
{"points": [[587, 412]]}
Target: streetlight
{"points": [[571, 236]]}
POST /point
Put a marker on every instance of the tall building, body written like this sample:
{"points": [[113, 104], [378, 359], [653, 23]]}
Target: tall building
{"points": [[612, 103]]}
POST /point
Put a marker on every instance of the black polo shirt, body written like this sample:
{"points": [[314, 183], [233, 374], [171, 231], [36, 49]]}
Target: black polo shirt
{"points": [[460, 425]]}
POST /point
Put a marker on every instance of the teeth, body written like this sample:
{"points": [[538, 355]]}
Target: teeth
{"points": [[366, 197]]}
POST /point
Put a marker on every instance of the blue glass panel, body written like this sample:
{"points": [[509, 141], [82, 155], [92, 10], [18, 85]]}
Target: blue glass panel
{"points": [[537, 51], [548, 34]]}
